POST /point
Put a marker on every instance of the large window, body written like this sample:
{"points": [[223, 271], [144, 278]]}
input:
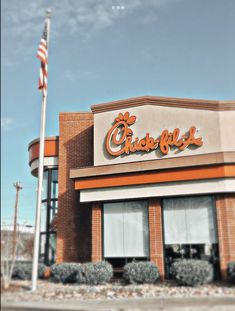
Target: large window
{"points": [[54, 184], [45, 185], [126, 232], [48, 211], [189, 220], [190, 229]]}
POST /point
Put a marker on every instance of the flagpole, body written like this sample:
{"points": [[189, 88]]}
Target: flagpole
{"points": [[40, 178]]}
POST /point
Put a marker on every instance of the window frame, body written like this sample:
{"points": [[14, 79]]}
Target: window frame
{"points": [[102, 224]]}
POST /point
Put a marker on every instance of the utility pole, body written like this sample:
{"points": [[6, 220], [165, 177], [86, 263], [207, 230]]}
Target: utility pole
{"points": [[18, 188]]}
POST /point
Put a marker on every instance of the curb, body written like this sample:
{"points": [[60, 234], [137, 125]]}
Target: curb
{"points": [[163, 304]]}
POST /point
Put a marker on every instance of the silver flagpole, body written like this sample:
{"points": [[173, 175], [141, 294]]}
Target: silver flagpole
{"points": [[40, 177]]}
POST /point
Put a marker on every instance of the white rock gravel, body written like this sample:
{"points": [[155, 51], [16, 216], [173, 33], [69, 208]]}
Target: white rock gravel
{"points": [[48, 291]]}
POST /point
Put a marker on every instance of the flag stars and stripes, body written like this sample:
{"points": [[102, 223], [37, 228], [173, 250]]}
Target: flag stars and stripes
{"points": [[42, 55]]}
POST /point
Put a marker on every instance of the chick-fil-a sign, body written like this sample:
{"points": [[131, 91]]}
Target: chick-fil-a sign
{"points": [[120, 140]]}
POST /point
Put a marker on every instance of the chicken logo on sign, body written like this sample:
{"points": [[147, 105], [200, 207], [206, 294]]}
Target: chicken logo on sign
{"points": [[120, 135]]}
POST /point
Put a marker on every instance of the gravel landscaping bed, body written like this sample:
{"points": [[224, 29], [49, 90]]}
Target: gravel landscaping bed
{"points": [[48, 291]]}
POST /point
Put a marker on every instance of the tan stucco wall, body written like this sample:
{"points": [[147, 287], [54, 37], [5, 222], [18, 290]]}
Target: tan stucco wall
{"points": [[227, 130], [215, 127]]}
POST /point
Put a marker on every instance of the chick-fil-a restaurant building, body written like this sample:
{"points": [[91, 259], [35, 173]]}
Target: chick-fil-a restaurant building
{"points": [[145, 178]]}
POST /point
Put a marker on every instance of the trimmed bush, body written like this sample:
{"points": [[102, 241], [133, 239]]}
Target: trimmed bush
{"points": [[141, 272], [87, 273], [95, 273], [231, 271], [23, 270], [65, 272], [192, 272]]}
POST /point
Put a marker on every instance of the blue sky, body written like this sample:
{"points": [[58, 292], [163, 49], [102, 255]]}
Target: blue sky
{"points": [[103, 50]]}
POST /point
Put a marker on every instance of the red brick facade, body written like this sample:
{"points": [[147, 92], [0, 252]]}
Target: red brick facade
{"points": [[79, 226], [96, 232], [156, 234], [225, 208], [74, 218]]}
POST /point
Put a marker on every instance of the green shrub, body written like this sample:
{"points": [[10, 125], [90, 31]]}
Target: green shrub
{"points": [[192, 272], [65, 272], [23, 270], [231, 271], [141, 272], [87, 273], [95, 273]]}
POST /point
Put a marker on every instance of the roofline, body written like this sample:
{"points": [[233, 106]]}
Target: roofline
{"points": [[187, 103]]}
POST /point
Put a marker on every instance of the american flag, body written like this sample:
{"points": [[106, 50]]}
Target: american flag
{"points": [[42, 55]]}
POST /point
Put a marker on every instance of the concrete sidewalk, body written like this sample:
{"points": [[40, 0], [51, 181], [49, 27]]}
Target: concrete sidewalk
{"points": [[163, 304]]}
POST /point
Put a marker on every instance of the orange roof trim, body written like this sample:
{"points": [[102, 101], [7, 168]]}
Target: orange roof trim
{"points": [[51, 148], [169, 175]]}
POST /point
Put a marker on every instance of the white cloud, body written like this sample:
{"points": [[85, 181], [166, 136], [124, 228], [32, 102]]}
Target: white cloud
{"points": [[6, 123], [22, 21], [25, 17]]}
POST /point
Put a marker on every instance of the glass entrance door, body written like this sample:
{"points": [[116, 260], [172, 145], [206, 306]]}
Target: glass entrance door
{"points": [[190, 230]]}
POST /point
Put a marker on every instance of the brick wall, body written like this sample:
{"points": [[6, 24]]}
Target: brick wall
{"points": [[79, 226], [225, 209], [74, 218], [96, 231], [156, 234]]}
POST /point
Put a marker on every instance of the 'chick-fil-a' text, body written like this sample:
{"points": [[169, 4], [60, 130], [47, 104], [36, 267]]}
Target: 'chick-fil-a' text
{"points": [[120, 135]]}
